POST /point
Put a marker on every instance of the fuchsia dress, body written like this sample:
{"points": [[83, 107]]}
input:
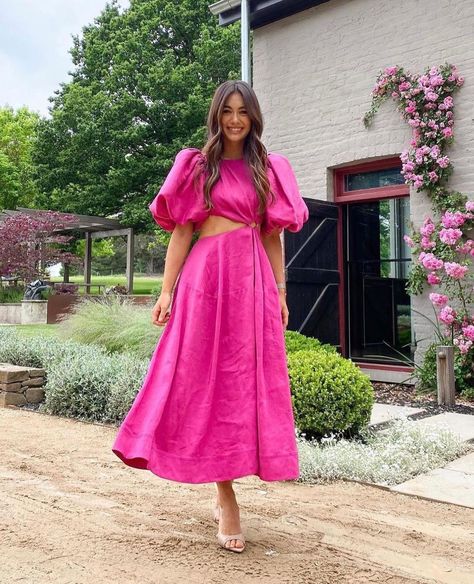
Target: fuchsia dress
{"points": [[215, 404]]}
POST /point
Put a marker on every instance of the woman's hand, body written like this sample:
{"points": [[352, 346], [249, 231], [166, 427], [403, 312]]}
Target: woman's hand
{"points": [[160, 315], [284, 308]]}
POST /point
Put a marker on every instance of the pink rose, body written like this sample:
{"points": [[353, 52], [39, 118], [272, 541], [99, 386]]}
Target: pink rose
{"points": [[428, 227], [466, 247], [450, 235], [430, 261], [455, 270], [448, 102], [468, 332], [447, 315], [447, 132], [436, 80], [435, 151], [438, 299], [433, 279], [455, 219], [426, 243], [431, 96], [463, 345], [443, 162]]}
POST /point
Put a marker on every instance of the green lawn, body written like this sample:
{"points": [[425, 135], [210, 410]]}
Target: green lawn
{"points": [[31, 330], [141, 284]]}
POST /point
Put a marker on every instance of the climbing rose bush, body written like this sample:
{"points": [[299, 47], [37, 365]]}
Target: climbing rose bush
{"points": [[445, 253], [442, 248], [426, 104]]}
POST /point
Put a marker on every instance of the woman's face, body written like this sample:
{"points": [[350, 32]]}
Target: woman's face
{"points": [[235, 121]]}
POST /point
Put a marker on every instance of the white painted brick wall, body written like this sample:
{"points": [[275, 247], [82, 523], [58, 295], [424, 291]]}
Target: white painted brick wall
{"points": [[313, 74]]}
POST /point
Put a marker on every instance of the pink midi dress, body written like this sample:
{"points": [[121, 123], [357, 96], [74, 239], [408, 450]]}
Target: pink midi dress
{"points": [[215, 404]]}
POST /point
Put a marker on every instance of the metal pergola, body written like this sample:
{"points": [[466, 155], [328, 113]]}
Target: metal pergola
{"points": [[93, 228]]}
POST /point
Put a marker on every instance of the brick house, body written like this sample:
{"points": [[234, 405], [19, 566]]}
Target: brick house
{"points": [[314, 65]]}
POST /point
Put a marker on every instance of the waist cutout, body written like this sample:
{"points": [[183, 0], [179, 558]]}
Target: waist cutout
{"points": [[215, 224]]}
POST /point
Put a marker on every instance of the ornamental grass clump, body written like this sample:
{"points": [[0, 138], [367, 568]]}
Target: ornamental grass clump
{"points": [[329, 393], [391, 457], [114, 323]]}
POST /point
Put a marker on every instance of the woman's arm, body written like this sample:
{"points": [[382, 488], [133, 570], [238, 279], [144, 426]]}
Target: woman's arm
{"points": [[273, 247], [176, 253]]}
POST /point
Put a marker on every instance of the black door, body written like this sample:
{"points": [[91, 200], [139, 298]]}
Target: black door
{"points": [[377, 261], [312, 274]]}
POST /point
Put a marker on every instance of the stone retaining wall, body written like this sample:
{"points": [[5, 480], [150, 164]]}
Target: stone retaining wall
{"points": [[20, 385], [24, 312]]}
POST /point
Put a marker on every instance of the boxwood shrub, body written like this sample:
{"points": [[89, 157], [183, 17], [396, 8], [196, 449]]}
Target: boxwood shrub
{"points": [[295, 341], [330, 394]]}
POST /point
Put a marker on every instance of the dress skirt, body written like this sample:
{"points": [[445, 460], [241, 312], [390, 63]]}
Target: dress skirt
{"points": [[215, 404]]}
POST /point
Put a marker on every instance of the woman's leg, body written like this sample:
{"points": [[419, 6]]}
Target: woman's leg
{"points": [[229, 521]]}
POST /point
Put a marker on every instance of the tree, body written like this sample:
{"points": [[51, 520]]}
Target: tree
{"points": [[140, 90], [30, 243], [17, 135]]}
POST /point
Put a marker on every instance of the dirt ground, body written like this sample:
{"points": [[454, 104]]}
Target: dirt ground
{"points": [[72, 512]]}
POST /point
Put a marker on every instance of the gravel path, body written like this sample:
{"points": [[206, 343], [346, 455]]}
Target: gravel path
{"points": [[71, 512]]}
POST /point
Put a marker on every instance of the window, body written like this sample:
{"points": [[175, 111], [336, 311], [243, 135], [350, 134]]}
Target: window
{"points": [[372, 180]]}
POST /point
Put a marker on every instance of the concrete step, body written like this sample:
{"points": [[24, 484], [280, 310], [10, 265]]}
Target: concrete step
{"points": [[453, 483], [382, 413]]}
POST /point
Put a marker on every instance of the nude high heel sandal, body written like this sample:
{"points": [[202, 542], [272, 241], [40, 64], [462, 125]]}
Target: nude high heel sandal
{"points": [[223, 539]]}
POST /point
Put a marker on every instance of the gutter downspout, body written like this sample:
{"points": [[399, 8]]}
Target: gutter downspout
{"points": [[246, 62]]}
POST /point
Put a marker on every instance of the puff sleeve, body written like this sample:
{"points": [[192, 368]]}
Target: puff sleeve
{"points": [[288, 211], [178, 200]]}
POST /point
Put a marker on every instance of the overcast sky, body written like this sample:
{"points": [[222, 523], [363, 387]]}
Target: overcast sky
{"points": [[35, 36]]}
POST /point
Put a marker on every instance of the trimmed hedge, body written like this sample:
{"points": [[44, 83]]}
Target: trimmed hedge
{"points": [[82, 381], [295, 341], [87, 382], [329, 393]]}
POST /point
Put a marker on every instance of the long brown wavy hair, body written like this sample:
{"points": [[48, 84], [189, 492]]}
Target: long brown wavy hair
{"points": [[255, 152]]}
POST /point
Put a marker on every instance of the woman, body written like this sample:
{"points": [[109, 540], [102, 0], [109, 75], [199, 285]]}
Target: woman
{"points": [[215, 404]]}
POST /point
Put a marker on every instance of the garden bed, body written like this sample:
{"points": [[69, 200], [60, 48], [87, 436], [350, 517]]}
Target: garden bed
{"points": [[405, 395]]}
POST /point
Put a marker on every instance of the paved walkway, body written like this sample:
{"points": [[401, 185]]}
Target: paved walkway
{"points": [[453, 483]]}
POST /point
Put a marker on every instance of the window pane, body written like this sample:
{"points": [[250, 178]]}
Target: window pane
{"points": [[374, 179]]}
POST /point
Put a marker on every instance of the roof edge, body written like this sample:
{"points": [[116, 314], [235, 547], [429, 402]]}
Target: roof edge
{"points": [[262, 12]]}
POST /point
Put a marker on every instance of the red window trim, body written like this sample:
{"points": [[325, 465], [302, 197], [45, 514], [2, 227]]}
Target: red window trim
{"points": [[342, 196]]}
